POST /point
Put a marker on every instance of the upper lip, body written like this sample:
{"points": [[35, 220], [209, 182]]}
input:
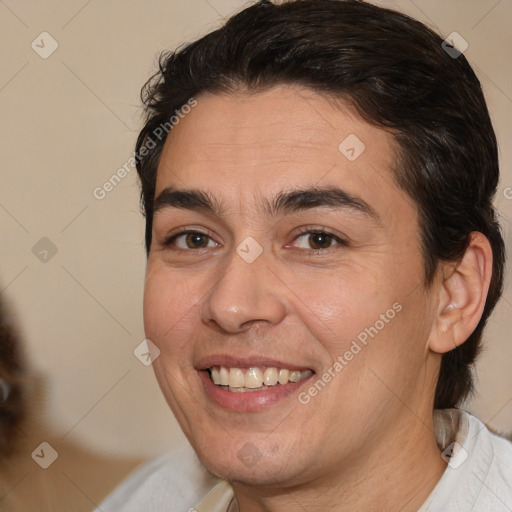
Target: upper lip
{"points": [[255, 360]]}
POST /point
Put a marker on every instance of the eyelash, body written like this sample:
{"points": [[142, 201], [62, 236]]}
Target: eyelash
{"points": [[341, 242]]}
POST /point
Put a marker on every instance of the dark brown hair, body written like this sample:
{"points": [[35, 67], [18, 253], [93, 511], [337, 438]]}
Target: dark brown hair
{"points": [[397, 75]]}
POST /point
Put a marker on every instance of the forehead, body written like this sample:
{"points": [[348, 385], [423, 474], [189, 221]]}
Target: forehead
{"points": [[249, 145]]}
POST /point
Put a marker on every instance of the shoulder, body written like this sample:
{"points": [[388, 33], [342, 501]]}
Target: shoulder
{"points": [[479, 471], [175, 480], [499, 478]]}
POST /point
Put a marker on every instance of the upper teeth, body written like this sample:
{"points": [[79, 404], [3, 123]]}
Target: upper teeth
{"points": [[255, 377]]}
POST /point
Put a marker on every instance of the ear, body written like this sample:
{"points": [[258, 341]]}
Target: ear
{"points": [[462, 295]]}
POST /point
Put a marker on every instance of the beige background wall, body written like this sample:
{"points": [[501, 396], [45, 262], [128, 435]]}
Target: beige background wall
{"points": [[68, 122]]}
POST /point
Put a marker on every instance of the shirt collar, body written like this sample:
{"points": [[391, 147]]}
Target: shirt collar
{"points": [[466, 446]]}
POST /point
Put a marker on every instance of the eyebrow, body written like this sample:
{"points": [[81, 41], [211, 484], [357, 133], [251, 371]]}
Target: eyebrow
{"points": [[284, 203]]}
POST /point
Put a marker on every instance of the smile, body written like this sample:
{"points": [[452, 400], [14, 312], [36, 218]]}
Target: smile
{"points": [[241, 380]]}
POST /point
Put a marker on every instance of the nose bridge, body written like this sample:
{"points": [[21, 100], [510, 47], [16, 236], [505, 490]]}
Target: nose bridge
{"points": [[246, 293]]}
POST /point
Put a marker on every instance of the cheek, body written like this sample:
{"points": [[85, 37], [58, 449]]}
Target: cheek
{"points": [[166, 307], [366, 323], [156, 300], [342, 306]]}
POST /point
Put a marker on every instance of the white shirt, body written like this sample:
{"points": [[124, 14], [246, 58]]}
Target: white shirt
{"points": [[478, 477]]}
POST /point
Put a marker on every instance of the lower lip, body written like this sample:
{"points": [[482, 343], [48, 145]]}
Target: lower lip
{"points": [[250, 400]]}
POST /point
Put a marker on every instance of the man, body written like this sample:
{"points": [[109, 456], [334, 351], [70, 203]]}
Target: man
{"points": [[323, 255]]}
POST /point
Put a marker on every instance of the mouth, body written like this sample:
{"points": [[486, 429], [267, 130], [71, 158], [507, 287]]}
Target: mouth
{"points": [[254, 378], [252, 382]]}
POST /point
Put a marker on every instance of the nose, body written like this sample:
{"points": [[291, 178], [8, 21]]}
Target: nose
{"points": [[244, 295]]}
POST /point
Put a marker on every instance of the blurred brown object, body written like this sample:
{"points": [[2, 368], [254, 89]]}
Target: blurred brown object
{"points": [[12, 392], [79, 479]]}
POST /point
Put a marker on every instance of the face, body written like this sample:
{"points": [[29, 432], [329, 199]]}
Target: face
{"points": [[286, 268]]}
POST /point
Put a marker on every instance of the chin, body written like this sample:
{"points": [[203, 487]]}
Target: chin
{"points": [[245, 463]]}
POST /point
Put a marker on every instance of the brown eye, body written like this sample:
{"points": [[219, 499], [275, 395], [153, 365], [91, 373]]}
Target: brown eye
{"points": [[318, 240], [189, 240], [194, 240]]}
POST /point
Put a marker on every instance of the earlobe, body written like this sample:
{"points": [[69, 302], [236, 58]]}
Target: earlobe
{"points": [[462, 295]]}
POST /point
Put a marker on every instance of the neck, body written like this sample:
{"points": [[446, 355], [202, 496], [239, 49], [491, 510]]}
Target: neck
{"points": [[399, 474]]}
